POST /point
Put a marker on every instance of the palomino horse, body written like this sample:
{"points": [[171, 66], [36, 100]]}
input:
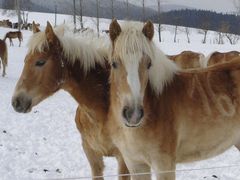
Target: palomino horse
{"points": [[62, 61], [159, 115], [188, 59], [3, 56], [12, 35], [219, 57]]}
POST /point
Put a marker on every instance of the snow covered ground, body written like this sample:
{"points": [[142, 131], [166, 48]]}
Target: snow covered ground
{"points": [[45, 143]]}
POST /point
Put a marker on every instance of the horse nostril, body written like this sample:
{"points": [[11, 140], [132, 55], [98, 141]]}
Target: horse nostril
{"points": [[124, 112], [141, 112], [16, 103], [127, 112]]}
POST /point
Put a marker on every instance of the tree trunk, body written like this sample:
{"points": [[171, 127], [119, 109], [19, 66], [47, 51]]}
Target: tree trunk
{"points": [[127, 10], [143, 10], [187, 33], [55, 23], [112, 9], [159, 22], [18, 14], [81, 14], [205, 36], [175, 34], [97, 1], [74, 15]]}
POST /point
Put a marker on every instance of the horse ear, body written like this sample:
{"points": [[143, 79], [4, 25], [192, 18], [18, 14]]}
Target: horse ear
{"points": [[51, 37], [114, 30], [148, 30], [35, 29]]}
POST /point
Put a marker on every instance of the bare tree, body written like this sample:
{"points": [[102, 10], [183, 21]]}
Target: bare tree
{"points": [[55, 15], [24, 19], [112, 8], [74, 15], [204, 32], [143, 10], [97, 3], [233, 38], [18, 14], [187, 31], [205, 25], [127, 9], [175, 34], [80, 12], [159, 21]]}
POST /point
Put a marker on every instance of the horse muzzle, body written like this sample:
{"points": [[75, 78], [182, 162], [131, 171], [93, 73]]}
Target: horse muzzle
{"points": [[133, 116], [22, 103]]}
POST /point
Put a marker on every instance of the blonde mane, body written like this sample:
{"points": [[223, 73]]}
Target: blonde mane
{"points": [[132, 44], [89, 50]]}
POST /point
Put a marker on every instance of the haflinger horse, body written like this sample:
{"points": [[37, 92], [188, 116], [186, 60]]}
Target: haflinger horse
{"points": [[58, 60], [188, 59], [219, 57], [13, 35], [3, 56], [161, 115]]}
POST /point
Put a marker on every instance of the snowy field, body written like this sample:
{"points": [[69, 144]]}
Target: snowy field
{"points": [[45, 143]]}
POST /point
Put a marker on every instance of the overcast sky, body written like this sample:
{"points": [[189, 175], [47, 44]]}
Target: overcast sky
{"points": [[216, 5]]}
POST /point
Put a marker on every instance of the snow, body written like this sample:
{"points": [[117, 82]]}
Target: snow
{"points": [[45, 143]]}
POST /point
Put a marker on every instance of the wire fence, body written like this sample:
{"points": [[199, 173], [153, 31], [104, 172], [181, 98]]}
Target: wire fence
{"points": [[148, 173]]}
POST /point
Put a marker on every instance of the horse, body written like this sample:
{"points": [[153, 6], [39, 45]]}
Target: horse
{"points": [[188, 59], [6, 23], [219, 57], [59, 60], [12, 35], [3, 56], [161, 115]]}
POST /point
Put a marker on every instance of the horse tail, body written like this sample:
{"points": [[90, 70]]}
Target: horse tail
{"points": [[5, 54]]}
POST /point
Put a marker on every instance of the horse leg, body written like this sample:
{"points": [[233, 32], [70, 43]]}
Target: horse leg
{"points": [[165, 168], [122, 168], [4, 73], [138, 168], [11, 42], [19, 42], [95, 160]]}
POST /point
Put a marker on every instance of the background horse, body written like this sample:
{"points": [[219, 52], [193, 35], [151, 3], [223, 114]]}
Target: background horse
{"points": [[160, 116], [3, 56], [58, 60], [188, 59], [12, 35], [219, 57]]}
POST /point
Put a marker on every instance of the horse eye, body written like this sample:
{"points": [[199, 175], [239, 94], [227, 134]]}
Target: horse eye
{"points": [[149, 65], [40, 63], [114, 65]]}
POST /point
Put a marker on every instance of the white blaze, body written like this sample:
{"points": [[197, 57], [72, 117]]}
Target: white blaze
{"points": [[133, 79]]}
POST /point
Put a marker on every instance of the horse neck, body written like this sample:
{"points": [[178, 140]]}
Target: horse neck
{"points": [[88, 89]]}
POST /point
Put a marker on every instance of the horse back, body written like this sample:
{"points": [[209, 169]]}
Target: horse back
{"points": [[187, 59], [218, 57]]}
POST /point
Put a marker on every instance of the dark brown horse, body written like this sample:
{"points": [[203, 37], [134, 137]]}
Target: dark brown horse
{"points": [[3, 56], [13, 35], [57, 61]]}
